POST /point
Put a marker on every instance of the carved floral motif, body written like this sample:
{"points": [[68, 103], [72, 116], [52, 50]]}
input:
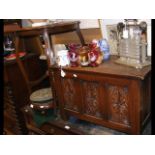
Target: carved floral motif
{"points": [[118, 97], [91, 98], [69, 94]]}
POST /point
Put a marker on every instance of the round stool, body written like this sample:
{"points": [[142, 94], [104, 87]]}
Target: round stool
{"points": [[42, 99], [42, 104]]}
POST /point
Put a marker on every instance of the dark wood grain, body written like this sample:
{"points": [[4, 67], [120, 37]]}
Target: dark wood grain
{"points": [[23, 75], [14, 80], [56, 28], [111, 68], [111, 95]]}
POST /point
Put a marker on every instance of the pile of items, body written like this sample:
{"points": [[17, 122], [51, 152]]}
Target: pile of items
{"points": [[92, 54]]}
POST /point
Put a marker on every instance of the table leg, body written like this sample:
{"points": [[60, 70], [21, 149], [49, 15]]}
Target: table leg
{"points": [[80, 36]]}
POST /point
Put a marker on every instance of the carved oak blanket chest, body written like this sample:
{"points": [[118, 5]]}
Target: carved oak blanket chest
{"points": [[111, 95]]}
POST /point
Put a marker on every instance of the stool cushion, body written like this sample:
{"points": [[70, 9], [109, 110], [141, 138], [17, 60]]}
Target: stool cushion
{"points": [[41, 95]]}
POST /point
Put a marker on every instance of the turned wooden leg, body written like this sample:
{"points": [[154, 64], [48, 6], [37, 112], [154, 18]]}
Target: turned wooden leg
{"points": [[80, 36]]}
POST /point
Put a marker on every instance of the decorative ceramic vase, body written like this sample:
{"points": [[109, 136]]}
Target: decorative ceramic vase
{"points": [[83, 56], [63, 58], [104, 47], [73, 57], [95, 55], [73, 54]]}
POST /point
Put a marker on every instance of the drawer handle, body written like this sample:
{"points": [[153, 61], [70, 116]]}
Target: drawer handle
{"points": [[75, 75]]}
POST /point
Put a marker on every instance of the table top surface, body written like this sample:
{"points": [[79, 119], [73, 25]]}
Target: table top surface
{"points": [[111, 68], [51, 26]]}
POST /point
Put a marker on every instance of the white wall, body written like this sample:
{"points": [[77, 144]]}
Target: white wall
{"points": [[105, 22], [86, 23]]}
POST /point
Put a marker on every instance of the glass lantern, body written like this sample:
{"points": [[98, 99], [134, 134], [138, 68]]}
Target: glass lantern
{"points": [[133, 44]]}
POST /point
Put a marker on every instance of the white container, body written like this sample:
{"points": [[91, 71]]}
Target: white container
{"points": [[59, 47], [62, 58]]}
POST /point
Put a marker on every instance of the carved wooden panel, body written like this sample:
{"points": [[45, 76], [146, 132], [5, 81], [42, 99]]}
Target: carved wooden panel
{"points": [[69, 94], [118, 93], [91, 98], [118, 104], [11, 121]]}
